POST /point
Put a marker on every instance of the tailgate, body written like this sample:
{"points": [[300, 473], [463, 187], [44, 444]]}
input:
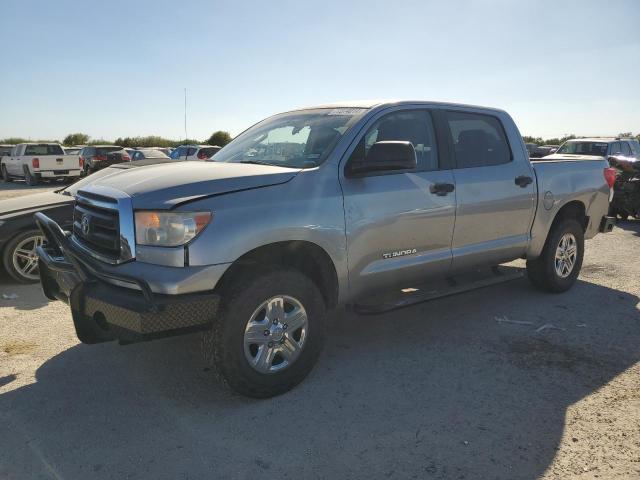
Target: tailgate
{"points": [[57, 162]]}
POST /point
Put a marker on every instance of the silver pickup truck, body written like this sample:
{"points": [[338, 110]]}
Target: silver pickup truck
{"points": [[309, 210]]}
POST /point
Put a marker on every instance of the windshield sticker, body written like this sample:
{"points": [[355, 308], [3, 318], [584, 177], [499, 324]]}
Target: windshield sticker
{"points": [[601, 144], [346, 111]]}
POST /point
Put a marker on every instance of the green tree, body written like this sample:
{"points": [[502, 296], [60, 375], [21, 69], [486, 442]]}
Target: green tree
{"points": [[13, 140], [219, 138], [76, 139]]}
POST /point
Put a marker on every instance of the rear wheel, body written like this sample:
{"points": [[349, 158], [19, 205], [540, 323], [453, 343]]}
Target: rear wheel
{"points": [[31, 178], [558, 267], [5, 175], [20, 258], [268, 334]]}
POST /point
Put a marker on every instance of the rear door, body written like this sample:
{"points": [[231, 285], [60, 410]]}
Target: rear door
{"points": [[12, 160], [495, 189], [399, 226]]}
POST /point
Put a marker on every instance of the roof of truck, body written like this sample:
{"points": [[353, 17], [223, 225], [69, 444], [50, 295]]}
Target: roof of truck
{"points": [[376, 103], [594, 139]]}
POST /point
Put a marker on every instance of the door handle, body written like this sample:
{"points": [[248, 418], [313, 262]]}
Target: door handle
{"points": [[441, 189], [523, 180]]}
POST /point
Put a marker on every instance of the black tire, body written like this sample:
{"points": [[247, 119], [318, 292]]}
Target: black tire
{"points": [[224, 344], [5, 175], [31, 179], [7, 257], [542, 271]]}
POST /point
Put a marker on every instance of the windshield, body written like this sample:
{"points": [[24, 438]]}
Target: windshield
{"points": [[301, 139], [598, 149]]}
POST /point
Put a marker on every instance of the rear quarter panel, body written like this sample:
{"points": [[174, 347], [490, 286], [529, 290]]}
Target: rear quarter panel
{"points": [[561, 182]]}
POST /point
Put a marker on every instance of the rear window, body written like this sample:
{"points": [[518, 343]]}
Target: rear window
{"points": [[478, 140], [44, 149], [598, 149], [103, 150]]}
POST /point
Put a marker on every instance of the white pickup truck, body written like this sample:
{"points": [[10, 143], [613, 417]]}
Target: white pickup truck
{"points": [[36, 161]]}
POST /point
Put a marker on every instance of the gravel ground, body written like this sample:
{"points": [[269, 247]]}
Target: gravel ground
{"points": [[461, 387]]}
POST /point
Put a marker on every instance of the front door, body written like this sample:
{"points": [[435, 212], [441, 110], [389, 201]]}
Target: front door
{"points": [[495, 191], [399, 223]]}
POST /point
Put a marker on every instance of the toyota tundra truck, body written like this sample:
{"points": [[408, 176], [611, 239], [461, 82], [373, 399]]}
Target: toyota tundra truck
{"points": [[308, 211], [37, 161]]}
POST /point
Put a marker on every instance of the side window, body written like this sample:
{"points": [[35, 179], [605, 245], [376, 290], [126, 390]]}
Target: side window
{"points": [[478, 140], [615, 148], [413, 126], [191, 151], [625, 149]]}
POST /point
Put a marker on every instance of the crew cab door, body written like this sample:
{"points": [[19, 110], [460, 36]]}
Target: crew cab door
{"points": [[496, 189], [14, 166], [399, 224]]}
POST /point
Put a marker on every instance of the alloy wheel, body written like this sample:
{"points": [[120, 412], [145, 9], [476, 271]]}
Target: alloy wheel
{"points": [[275, 334]]}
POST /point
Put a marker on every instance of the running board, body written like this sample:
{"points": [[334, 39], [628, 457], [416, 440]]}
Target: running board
{"points": [[453, 285]]}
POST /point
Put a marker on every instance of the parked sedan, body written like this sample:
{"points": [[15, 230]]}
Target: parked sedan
{"points": [[19, 235], [145, 153], [194, 152]]}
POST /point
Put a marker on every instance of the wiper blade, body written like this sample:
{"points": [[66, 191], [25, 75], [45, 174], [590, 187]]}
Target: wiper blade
{"points": [[256, 162]]}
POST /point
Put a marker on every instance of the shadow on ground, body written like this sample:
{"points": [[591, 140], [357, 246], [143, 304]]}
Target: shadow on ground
{"points": [[448, 389], [631, 225]]}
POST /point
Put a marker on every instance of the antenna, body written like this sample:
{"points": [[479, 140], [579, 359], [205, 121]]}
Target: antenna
{"points": [[186, 136]]}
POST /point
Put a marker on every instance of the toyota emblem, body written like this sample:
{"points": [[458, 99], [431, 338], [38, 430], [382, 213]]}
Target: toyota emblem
{"points": [[85, 225]]}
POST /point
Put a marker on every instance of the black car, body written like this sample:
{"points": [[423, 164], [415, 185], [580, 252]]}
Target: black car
{"points": [[19, 235], [95, 157]]}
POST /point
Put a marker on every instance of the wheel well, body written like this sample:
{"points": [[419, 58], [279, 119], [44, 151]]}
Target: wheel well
{"points": [[574, 209], [306, 257]]}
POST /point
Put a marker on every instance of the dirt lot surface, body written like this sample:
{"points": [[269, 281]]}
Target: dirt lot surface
{"points": [[18, 188], [465, 387]]}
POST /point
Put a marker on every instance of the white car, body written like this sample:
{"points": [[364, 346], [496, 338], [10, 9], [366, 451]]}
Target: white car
{"points": [[194, 152], [36, 161]]}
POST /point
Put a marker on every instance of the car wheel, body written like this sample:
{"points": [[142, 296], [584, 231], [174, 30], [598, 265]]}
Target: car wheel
{"points": [[30, 178], [20, 258], [5, 175], [268, 334], [558, 267]]}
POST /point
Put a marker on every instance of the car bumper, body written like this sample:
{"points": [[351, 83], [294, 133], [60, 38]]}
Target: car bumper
{"points": [[607, 224], [58, 173], [102, 308]]}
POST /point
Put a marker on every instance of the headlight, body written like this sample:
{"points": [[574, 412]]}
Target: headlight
{"points": [[169, 229]]}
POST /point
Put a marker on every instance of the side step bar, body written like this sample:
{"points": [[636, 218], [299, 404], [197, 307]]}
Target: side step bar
{"points": [[453, 285]]}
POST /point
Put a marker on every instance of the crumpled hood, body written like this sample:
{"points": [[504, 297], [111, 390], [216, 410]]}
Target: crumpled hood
{"points": [[166, 185], [36, 202], [564, 156]]}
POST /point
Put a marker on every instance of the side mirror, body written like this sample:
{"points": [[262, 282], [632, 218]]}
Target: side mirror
{"points": [[386, 156]]}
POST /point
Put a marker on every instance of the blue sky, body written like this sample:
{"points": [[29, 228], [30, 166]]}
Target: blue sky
{"points": [[119, 68]]}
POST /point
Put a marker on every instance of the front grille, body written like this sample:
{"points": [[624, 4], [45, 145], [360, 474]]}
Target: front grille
{"points": [[96, 224]]}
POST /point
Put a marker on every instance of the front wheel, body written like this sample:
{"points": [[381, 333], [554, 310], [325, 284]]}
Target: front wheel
{"points": [[558, 267], [20, 257], [269, 332]]}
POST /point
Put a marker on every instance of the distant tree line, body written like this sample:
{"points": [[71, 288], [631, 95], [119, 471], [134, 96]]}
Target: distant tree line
{"points": [[220, 138]]}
